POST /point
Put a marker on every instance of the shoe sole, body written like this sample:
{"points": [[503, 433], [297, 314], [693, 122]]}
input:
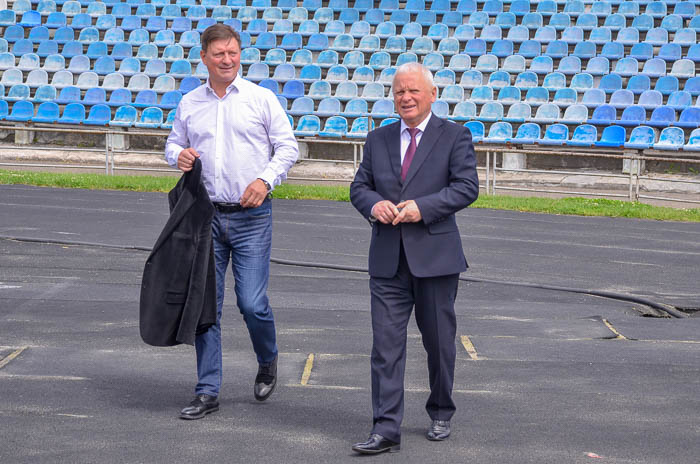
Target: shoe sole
{"points": [[198, 416], [391, 449], [263, 398], [438, 437]]}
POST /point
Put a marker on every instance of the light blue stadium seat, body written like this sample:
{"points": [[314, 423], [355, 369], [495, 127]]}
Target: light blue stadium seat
{"points": [[452, 94], [22, 111], [631, 10], [96, 50], [45, 93], [528, 133], [424, 18], [609, 83], [433, 61], [627, 67], [633, 115], [302, 106], [29, 62], [444, 77], [491, 111], [642, 51], [52, 63], [291, 41], [547, 113], [335, 126], [559, 21], [354, 59], [188, 84], [327, 59], [638, 84], [541, 64], [471, 79], [320, 90], [570, 65], [689, 118], [285, 72], [481, 94], [383, 108], [695, 23], [555, 134], [656, 9], [499, 80], [650, 99], [475, 47], [487, 63], [518, 112], [155, 67], [8, 18], [258, 71], [615, 22], [545, 34], [337, 74], [138, 82], [662, 116], [683, 69], [491, 33], [343, 43], [7, 60], [530, 49], [503, 48], [275, 57], [565, 97], [641, 138], [505, 20], [308, 126], [385, 29], [526, 80], [440, 108], [657, 36], [557, 49], [513, 64], [369, 43], [323, 15], [448, 46], [164, 38], [411, 31], [463, 32], [360, 127], [301, 58], [612, 51], [584, 135], [536, 96], [671, 138], [363, 74], [464, 111], [679, 100], [284, 26], [587, 21], [476, 128], [60, 79], [628, 36], [585, 50], [499, 133], [406, 57], [151, 118], [12, 76], [125, 116], [603, 115], [600, 35], [386, 77], [355, 108], [693, 141], [667, 84], [104, 65], [395, 44], [181, 25], [575, 114], [22, 47], [87, 80]]}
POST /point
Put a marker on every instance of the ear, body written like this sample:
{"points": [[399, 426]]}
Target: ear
{"points": [[433, 94]]}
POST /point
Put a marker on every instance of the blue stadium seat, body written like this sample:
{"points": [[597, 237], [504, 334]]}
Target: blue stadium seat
{"points": [[612, 51], [481, 94], [655, 67], [525, 80], [188, 84], [94, 96], [67, 95], [335, 126], [52, 63], [565, 97], [386, 77], [360, 127], [518, 112], [476, 128], [513, 64], [547, 113], [587, 21], [45, 93], [120, 97], [603, 115], [337, 74], [584, 135], [683, 69], [8, 18], [125, 116], [293, 89], [301, 58], [463, 32], [258, 72], [151, 118], [557, 49], [433, 61], [285, 72], [642, 51], [612, 136], [505, 20], [319, 90], [406, 57], [302, 106], [679, 100], [671, 52], [452, 94], [383, 108], [689, 118], [362, 74], [145, 98], [622, 98], [424, 18], [275, 57], [671, 138], [575, 114], [355, 108], [545, 34], [499, 133], [440, 108], [633, 115], [541, 64], [308, 126], [38, 34], [572, 35], [656, 36], [641, 138], [555, 134], [503, 48], [569, 65], [499, 80], [143, 10], [29, 62], [532, 20], [638, 84], [553, 81], [471, 79], [609, 83], [73, 113], [693, 141], [615, 22], [528, 133], [22, 47], [667, 84], [22, 111], [662, 116], [487, 63], [354, 59], [474, 47], [530, 49]]}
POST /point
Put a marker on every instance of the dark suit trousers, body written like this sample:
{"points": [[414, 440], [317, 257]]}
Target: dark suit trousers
{"points": [[392, 301]]}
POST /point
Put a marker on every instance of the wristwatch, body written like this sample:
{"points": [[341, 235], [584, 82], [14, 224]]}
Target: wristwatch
{"points": [[268, 186]]}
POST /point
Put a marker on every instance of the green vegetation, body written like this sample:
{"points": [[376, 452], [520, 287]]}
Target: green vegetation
{"points": [[570, 206]]}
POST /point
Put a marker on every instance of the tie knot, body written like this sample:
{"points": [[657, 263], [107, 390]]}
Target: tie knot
{"points": [[413, 131]]}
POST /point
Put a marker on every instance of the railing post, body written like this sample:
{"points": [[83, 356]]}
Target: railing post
{"points": [[108, 141], [488, 167]]}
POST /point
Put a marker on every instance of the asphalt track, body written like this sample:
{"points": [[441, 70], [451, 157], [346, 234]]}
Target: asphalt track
{"points": [[542, 376]]}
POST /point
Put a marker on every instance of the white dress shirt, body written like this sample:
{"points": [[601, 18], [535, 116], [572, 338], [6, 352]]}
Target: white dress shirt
{"points": [[234, 136], [406, 136]]}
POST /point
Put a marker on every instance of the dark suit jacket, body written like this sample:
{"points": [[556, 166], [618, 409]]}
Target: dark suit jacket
{"points": [[442, 180], [178, 291]]}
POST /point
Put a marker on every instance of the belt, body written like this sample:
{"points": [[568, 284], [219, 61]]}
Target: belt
{"points": [[228, 207]]}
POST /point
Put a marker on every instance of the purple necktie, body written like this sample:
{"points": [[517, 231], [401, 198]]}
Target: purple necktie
{"points": [[410, 151]]}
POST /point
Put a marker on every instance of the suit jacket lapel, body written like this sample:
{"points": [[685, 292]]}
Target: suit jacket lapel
{"points": [[431, 135], [393, 143]]}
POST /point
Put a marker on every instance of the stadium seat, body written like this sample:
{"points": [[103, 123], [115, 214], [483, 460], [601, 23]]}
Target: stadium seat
{"points": [[667, 84], [52, 63], [536, 96], [555, 134], [547, 113], [513, 64], [499, 79], [528, 133], [440, 108], [554, 81], [471, 79], [151, 118], [383, 108], [585, 50], [693, 141], [612, 136], [627, 67], [584, 135], [683, 69], [526, 80], [612, 51], [650, 99], [509, 95], [575, 114], [335, 126], [603, 115], [99, 115], [609, 83], [670, 53], [685, 37], [565, 97], [569, 66], [60, 79], [29, 62], [360, 127], [621, 99], [94, 96], [362, 74], [671, 138], [481, 94], [499, 133], [120, 97], [600, 35], [73, 113], [634, 115], [655, 67], [125, 116], [679, 99], [689, 118], [355, 108], [308, 126], [464, 111], [662, 116], [491, 111], [557, 49], [476, 128], [541, 64], [452, 94], [518, 112], [641, 138], [22, 111], [44, 93]]}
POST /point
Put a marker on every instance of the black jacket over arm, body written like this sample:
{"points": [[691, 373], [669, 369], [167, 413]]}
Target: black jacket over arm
{"points": [[178, 291]]}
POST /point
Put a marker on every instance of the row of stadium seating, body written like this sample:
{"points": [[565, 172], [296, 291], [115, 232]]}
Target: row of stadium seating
{"points": [[557, 134]]}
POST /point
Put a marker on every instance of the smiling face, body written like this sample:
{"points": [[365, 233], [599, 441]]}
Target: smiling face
{"points": [[413, 96], [222, 58]]}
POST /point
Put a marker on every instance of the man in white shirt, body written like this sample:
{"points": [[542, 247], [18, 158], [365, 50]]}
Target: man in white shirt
{"points": [[233, 126]]}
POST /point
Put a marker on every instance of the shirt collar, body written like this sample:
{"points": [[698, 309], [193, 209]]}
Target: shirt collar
{"points": [[235, 84], [420, 126]]}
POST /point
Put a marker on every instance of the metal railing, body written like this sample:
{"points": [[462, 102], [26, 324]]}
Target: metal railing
{"points": [[491, 169]]}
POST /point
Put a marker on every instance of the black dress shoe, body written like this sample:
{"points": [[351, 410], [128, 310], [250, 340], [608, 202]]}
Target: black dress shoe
{"points": [[200, 407], [376, 444], [265, 381], [439, 430]]}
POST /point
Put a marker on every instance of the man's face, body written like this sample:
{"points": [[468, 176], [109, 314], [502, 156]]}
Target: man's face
{"points": [[222, 59], [413, 97]]}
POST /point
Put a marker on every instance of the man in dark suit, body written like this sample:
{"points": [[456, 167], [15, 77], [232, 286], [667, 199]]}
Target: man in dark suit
{"points": [[414, 176]]}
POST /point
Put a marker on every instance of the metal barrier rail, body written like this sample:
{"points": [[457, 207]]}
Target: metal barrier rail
{"points": [[635, 157]]}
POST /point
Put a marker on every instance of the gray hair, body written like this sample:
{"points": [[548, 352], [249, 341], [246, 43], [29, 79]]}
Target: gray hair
{"points": [[414, 67]]}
